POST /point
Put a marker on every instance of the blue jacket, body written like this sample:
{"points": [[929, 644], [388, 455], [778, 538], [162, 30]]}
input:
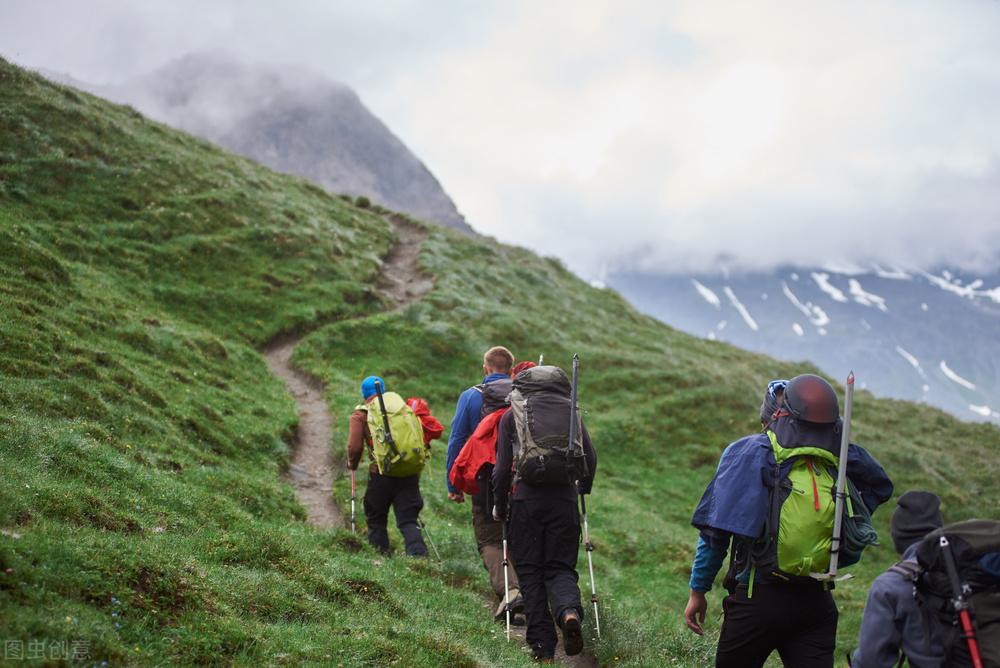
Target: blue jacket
{"points": [[737, 500], [466, 419], [893, 623]]}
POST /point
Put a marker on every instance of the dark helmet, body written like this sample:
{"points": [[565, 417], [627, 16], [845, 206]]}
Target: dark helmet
{"points": [[812, 399]]}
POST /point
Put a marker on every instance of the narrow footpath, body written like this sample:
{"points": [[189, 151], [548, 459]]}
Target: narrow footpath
{"points": [[312, 469]]}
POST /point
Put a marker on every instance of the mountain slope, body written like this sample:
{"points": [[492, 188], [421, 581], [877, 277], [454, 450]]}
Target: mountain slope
{"points": [[927, 337], [142, 269], [294, 121]]}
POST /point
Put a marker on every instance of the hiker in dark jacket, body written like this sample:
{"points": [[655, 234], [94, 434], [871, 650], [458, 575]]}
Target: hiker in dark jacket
{"points": [[544, 534], [473, 405], [893, 624], [767, 609], [382, 491]]}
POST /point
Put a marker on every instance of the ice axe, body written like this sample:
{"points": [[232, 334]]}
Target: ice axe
{"points": [[961, 604], [385, 426], [841, 495]]}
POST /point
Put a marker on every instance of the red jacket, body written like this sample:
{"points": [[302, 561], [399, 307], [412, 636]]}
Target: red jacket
{"points": [[432, 426], [479, 450]]}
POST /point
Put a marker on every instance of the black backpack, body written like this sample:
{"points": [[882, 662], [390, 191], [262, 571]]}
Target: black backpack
{"points": [[953, 553], [541, 404], [494, 395]]}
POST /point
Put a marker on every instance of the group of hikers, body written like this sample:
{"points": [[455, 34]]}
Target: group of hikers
{"points": [[790, 505], [520, 452]]}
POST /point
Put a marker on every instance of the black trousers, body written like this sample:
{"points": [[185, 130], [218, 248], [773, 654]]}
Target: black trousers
{"points": [[403, 494], [798, 620], [544, 543]]}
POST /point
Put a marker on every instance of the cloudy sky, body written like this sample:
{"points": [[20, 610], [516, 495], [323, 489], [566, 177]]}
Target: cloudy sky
{"points": [[659, 135]]}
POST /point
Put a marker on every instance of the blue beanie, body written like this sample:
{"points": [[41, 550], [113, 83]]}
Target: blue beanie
{"points": [[368, 386]]}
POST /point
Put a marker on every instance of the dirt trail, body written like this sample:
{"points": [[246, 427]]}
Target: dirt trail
{"points": [[517, 635], [312, 469]]}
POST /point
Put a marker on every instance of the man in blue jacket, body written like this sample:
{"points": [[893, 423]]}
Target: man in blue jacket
{"points": [[769, 609], [473, 404]]}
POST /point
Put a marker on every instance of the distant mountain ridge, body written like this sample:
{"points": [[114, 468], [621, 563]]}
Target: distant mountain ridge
{"points": [[930, 337], [292, 120]]}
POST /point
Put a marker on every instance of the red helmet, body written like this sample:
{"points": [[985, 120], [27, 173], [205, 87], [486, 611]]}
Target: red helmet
{"points": [[812, 399]]}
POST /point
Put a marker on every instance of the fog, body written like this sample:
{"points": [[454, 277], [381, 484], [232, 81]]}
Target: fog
{"points": [[660, 136]]}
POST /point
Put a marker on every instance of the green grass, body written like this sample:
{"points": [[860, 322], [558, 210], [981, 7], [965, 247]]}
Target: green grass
{"points": [[141, 436]]}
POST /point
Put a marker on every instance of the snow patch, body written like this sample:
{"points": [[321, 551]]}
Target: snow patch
{"points": [[707, 294], [738, 305], [816, 315], [914, 362], [823, 281], [895, 274], [946, 281], [797, 328], [955, 378], [924, 307], [982, 410], [866, 298], [844, 268], [600, 285], [795, 276]]}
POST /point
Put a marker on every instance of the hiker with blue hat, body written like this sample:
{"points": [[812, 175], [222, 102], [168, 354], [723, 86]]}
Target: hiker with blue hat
{"points": [[394, 436]]}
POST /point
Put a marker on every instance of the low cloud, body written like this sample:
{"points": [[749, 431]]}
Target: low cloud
{"points": [[659, 136]]}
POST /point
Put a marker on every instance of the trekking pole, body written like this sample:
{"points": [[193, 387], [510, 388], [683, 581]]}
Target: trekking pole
{"points": [[353, 530], [841, 495], [385, 424], [583, 503], [506, 582], [960, 604], [430, 539], [590, 563]]}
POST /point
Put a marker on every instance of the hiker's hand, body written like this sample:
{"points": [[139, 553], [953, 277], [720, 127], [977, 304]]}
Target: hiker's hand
{"points": [[457, 497], [694, 613]]}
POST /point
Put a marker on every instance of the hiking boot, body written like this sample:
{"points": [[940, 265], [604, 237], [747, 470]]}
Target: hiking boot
{"points": [[572, 632], [516, 604], [518, 619]]}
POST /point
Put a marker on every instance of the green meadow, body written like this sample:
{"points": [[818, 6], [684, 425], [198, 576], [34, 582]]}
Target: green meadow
{"points": [[142, 438]]}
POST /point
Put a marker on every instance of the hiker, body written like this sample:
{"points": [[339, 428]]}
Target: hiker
{"points": [[474, 404], [893, 624], [535, 457], [779, 540], [393, 478]]}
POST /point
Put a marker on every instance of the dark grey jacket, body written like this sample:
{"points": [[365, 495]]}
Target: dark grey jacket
{"points": [[892, 624]]}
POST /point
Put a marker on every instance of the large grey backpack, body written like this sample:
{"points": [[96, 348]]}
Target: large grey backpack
{"points": [[540, 402]]}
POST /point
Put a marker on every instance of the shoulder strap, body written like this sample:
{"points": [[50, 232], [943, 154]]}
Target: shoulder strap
{"points": [[478, 388], [908, 569]]}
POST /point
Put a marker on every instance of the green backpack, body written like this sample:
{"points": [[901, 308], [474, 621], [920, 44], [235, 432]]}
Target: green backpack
{"points": [[804, 506], [407, 434]]}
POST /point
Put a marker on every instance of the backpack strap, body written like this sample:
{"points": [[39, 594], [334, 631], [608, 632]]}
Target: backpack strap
{"points": [[908, 569]]}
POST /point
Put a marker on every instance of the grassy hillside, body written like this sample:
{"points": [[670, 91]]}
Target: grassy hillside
{"points": [[142, 437]]}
